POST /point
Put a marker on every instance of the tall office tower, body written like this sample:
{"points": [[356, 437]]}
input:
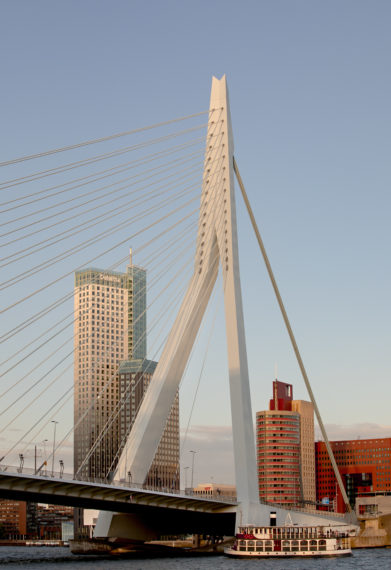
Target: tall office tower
{"points": [[134, 378], [278, 449], [110, 326], [286, 467]]}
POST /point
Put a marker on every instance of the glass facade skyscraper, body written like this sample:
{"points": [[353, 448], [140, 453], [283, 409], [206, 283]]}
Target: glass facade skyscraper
{"points": [[110, 331], [109, 327]]}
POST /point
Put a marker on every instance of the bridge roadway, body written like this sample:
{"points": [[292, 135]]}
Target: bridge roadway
{"points": [[168, 512]]}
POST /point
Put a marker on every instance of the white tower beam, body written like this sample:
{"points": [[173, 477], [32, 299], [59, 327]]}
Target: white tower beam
{"points": [[217, 239]]}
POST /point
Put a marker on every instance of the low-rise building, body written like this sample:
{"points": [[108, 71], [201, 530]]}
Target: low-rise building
{"points": [[214, 490], [364, 465], [50, 519], [17, 519]]}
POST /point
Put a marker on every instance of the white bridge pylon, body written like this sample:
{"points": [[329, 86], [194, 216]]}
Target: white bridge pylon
{"points": [[216, 242]]}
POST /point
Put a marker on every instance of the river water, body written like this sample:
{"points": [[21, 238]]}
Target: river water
{"points": [[50, 558]]}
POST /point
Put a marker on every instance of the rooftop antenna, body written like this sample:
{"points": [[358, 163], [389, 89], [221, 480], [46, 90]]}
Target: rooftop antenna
{"points": [[276, 371], [130, 257]]}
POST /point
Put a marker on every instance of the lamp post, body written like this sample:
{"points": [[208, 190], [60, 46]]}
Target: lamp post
{"points": [[61, 468], [185, 469], [44, 454], [192, 469], [54, 444]]}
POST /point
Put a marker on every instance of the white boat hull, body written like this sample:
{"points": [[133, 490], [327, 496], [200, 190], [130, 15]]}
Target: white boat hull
{"points": [[278, 554]]}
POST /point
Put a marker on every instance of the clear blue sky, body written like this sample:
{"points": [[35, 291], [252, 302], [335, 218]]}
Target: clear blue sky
{"points": [[310, 92]]}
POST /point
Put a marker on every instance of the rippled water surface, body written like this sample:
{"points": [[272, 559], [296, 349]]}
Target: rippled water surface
{"points": [[61, 558]]}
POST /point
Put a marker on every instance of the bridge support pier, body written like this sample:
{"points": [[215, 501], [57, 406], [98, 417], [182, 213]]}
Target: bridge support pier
{"points": [[125, 525]]}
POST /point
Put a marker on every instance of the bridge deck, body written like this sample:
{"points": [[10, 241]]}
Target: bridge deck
{"points": [[104, 496], [169, 513]]}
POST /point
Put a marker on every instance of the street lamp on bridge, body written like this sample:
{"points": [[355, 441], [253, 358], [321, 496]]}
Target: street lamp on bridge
{"points": [[192, 469], [185, 469], [54, 444]]}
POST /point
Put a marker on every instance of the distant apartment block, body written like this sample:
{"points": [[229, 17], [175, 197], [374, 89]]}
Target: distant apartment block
{"points": [[21, 520], [17, 519], [51, 519], [209, 490]]}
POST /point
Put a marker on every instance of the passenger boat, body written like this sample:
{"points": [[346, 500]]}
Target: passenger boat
{"points": [[285, 541]]}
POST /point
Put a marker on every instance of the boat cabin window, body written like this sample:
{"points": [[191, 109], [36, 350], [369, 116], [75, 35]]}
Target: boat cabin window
{"points": [[286, 545], [295, 545]]}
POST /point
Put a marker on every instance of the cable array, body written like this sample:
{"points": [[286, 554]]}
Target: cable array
{"points": [[71, 208]]}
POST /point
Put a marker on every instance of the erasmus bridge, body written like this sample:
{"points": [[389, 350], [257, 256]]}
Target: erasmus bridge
{"points": [[171, 195]]}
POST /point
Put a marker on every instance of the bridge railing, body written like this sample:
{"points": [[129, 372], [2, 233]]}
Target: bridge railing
{"points": [[130, 485]]}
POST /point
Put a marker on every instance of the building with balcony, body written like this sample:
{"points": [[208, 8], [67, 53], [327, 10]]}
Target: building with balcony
{"points": [[285, 449]]}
